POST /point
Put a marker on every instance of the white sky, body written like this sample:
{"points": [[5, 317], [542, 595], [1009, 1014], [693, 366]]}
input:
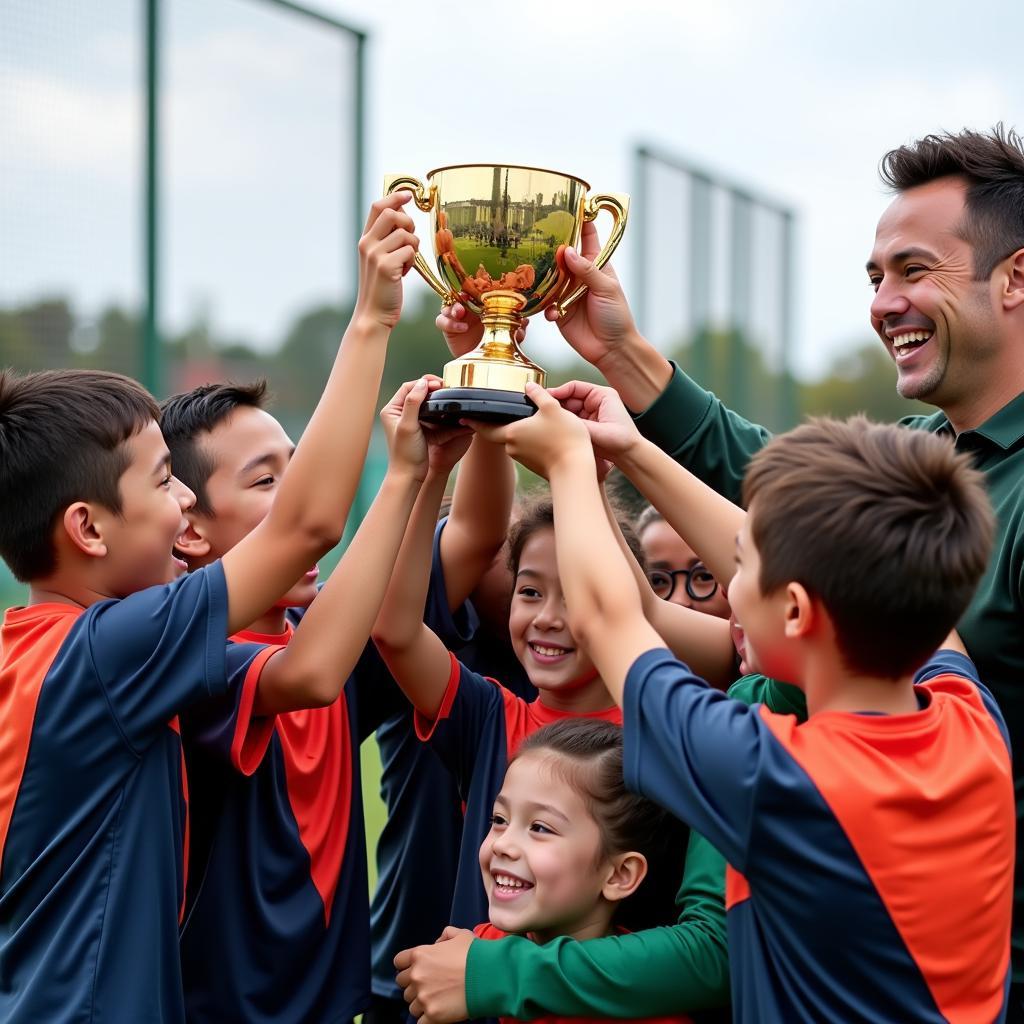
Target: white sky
{"points": [[799, 99]]}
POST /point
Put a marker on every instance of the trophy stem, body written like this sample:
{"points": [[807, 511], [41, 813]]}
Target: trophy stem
{"points": [[497, 362]]}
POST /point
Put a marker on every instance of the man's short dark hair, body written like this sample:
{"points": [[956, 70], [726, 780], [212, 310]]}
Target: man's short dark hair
{"points": [[184, 417], [62, 440], [889, 527], [992, 165]]}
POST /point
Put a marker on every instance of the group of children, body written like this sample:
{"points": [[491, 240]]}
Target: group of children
{"points": [[182, 703]]}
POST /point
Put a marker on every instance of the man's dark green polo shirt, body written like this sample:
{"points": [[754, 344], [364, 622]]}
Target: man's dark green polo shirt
{"points": [[715, 444]]}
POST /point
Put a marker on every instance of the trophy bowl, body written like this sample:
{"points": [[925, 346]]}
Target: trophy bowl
{"points": [[499, 233]]}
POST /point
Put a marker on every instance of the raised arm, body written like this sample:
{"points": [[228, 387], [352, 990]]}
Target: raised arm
{"points": [[707, 521], [312, 504], [601, 595], [413, 652], [478, 522], [333, 633], [702, 641]]}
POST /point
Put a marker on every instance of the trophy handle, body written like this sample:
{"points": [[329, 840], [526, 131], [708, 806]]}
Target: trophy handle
{"points": [[617, 204], [425, 201]]}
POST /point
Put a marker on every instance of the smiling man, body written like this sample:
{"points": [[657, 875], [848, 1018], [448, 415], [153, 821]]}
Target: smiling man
{"points": [[947, 267]]}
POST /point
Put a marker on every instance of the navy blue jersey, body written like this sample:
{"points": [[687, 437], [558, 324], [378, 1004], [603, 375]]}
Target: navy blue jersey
{"points": [[477, 730], [416, 881], [278, 929], [93, 821], [870, 856]]}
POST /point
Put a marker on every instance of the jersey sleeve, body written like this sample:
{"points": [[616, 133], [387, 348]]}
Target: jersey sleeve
{"points": [[655, 972], [471, 705], [225, 726], [957, 664], [701, 434], [454, 628], [160, 650], [694, 750]]}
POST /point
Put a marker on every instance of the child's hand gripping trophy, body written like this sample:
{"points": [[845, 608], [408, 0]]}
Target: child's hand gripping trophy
{"points": [[413, 446], [543, 439]]}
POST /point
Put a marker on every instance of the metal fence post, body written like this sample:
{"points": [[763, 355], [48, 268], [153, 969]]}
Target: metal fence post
{"points": [[150, 368]]}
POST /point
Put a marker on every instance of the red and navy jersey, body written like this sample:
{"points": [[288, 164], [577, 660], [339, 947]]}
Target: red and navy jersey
{"points": [[870, 856], [93, 821], [278, 926], [477, 730], [416, 880], [488, 931]]}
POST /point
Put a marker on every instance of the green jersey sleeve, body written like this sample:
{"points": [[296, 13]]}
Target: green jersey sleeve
{"points": [[701, 434], [655, 972]]}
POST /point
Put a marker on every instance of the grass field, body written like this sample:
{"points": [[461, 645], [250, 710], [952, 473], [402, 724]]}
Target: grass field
{"points": [[372, 804], [471, 256]]}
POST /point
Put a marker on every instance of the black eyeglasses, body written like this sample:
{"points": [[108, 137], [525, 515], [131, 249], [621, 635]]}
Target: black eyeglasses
{"points": [[700, 584]]}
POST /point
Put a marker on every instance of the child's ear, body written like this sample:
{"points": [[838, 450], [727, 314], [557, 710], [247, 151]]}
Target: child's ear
{"points": [[628, 870], [84, 528], [192, 543], [799, 612]]}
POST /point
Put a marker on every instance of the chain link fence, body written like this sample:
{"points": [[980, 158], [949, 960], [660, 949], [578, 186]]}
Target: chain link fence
{"points": [[714, 281], [181, 191]]}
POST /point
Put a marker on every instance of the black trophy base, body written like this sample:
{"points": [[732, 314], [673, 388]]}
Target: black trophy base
{"points": [[449, 405]]}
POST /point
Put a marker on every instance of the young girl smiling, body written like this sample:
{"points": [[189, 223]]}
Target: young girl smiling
{"points": [[568, 842]]}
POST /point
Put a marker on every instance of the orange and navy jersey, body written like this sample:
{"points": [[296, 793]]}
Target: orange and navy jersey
{"points": [[277, 928], [870, 856], [488, 931], [415, 880], [477, 730], [93, 815]]}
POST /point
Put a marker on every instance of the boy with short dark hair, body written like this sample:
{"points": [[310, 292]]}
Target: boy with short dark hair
{"points": [[891, 809], [116, 642]]}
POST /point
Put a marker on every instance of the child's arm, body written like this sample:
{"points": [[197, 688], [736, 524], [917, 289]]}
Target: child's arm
{"points": [[701, 752], [484, 487], [601, 594], [702, 641], [654, 972], [413, 653], [478, 523], [333, 632], [657, 972], [702, 517], [308, 515]]}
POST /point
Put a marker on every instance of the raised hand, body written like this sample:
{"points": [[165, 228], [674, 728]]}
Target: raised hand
{"points": [[462, 329], [386, 252], [611, 428], [445, 446], [407, 443], [601, 322], [540, 440]]}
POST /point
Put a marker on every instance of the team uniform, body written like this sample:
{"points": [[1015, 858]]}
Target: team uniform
{"points": [[870, 856], [478, 728], [716, 444], [416, 880], [93, 802], [488, 931], [279, 926]]}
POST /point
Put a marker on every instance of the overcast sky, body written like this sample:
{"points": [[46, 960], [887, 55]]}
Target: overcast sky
{"points": [[797, 99]]}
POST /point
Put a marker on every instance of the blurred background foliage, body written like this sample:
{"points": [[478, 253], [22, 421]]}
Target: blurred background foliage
{"points": [[49, 332]]}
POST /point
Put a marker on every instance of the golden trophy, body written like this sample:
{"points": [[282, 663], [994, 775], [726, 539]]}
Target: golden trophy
{"points": [[499, 232]]}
